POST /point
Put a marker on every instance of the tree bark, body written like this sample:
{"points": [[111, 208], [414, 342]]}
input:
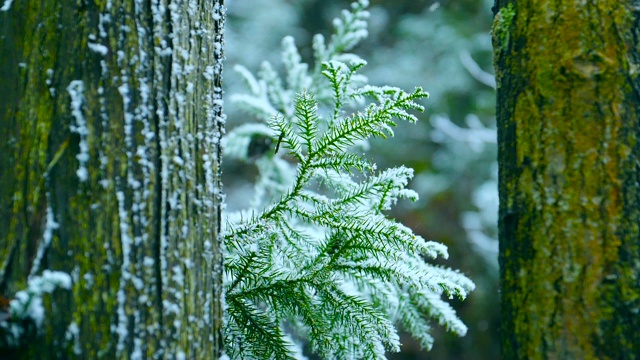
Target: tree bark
{"points": [[569, 146], [111, 117]]}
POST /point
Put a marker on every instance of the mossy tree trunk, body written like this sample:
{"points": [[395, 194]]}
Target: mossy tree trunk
{"points": [[569, 148], [110, 120]]}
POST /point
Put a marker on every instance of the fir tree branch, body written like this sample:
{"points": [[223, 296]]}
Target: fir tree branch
{"points": [[318, 257]]}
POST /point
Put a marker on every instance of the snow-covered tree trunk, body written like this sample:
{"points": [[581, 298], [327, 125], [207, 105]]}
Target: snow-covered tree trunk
{"points": [[569, 149], [110, 120]]}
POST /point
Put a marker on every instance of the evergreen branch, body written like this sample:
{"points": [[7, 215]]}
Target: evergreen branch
{"points": [[266, 290], [257, 106], [346, 162], [287, 136], [359, 269], [435, 308], [376, 120], [278, 96], [414, 321], [235, 238], [351, 28], [266, 339], [348, 132], [372, 228], [307, 119], [358, 317], [240, 267], [302, 177], [323, 260], [295, 238], [294, 300], [332, 70], [249, 79], [340, 77], [298, 79]]}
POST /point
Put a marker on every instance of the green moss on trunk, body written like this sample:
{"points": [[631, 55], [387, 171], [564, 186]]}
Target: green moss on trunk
{"points": [[139, 232], [568, 118]]}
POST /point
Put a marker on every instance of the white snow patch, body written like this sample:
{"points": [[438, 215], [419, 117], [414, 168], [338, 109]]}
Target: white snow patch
{"points": [[98, 48], [148, 261], [88, 280], [171, 308], [49, 81], [76, 92], [47, 235], [73, 333], [178, 160], [126, 241], [209, 73], [27, 304], [6, 6]]}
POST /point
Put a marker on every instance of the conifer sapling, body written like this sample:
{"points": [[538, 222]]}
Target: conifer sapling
{"points": [[314, 259]]}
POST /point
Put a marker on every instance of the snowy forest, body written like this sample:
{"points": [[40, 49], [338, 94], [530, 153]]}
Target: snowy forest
{"points": [[337, 179]]}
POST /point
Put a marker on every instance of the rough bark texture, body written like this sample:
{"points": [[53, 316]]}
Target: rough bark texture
{"points": [[569, 131], [110, 120]]}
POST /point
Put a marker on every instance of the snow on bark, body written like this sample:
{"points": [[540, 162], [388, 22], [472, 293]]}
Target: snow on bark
{"points": [[6, 6], [76, 90], [136, 219]]}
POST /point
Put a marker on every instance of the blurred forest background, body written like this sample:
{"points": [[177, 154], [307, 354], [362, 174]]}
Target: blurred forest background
{"points": [[445, 47]]}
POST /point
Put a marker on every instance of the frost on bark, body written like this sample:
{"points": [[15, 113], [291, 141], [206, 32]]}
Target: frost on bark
{"points": [[568, 119], [111, 116]]}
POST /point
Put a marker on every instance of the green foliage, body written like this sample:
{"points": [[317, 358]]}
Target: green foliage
{"points": [[315, 258]]}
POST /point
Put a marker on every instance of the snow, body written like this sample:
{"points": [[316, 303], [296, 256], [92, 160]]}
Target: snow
{"points": [[47, 235], [209, 73], [73, 334], [76, 92], [98, 48], [103, 20], [88, 280], [182, 144], [178, 276], [121, 298], [148, 261], [27, 304], [49, 81], [171, 308], [178, 160], [306, 220], [6, 6]]}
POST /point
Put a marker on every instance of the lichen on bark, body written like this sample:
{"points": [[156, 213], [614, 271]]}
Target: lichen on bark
{"points": [[568, 119], [112, 116]]}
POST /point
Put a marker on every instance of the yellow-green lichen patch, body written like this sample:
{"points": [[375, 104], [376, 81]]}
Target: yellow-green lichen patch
{"points": [[501, 24], [575, 136]]}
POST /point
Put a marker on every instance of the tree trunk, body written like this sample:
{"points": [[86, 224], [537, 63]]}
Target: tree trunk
{"points": [[111, 116], [569, 148]]}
